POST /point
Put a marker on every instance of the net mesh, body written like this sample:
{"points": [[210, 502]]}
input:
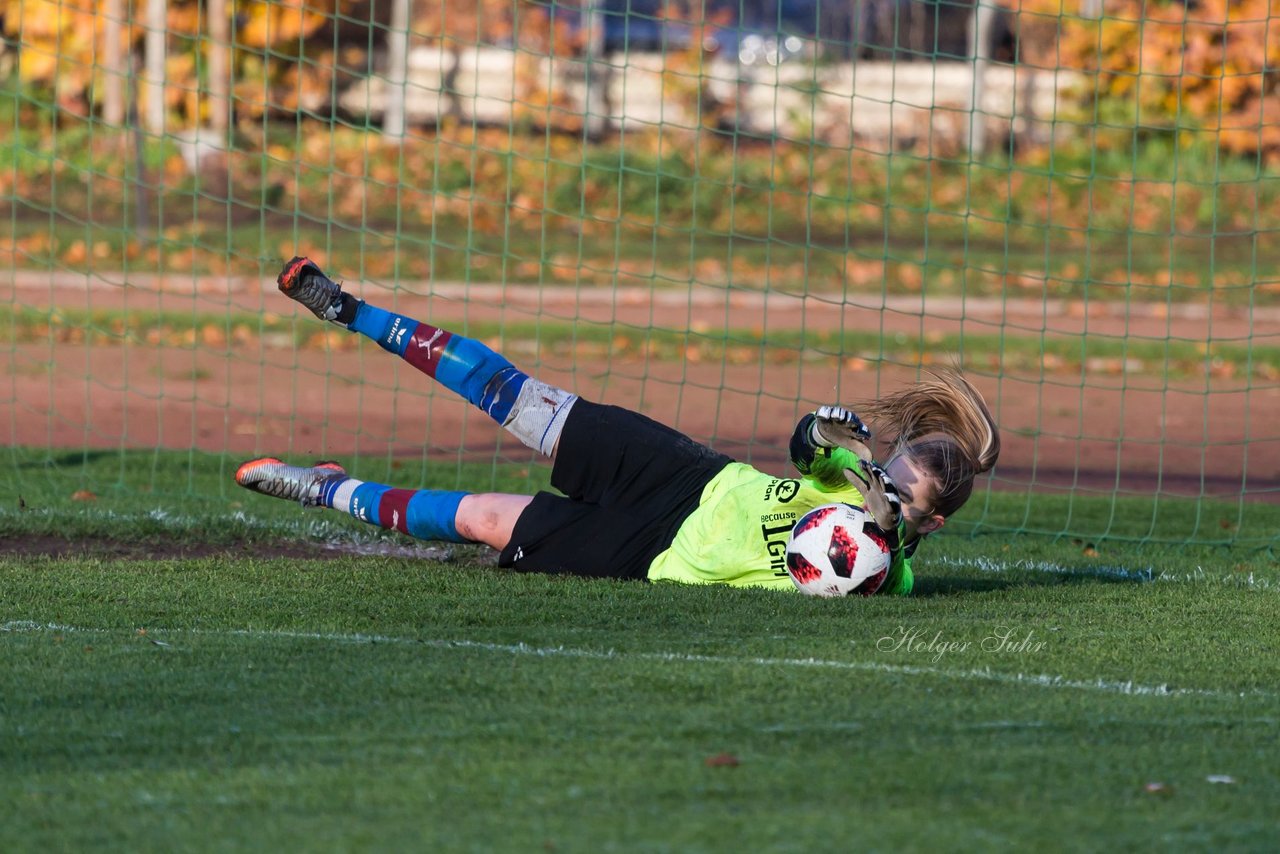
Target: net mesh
{"points": [[719, 214]]}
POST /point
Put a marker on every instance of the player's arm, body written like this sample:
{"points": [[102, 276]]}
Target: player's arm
{"points": [[882, 500], [827, 442], [830, 446], [900, 579]]}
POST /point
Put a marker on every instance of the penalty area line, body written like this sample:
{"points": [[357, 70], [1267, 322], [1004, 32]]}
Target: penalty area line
{"points": [[1037, 680]]}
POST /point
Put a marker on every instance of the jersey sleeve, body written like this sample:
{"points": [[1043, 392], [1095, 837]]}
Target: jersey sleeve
{"points": [[828, 467], [824, 466], [802, 447], [900, 579]]}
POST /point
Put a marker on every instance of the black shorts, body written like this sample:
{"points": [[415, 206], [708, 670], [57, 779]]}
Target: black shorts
{"points": [[628, 483]]}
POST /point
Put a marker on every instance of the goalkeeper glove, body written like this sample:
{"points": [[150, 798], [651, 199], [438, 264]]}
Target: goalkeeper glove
{"points": [[829, 427], [883, 501], [837, 427]]}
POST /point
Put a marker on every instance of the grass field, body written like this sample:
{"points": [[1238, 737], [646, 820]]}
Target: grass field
{"points": [[188, 667], [170, 675]]}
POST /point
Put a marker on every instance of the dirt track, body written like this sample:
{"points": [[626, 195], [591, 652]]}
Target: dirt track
{"points": [[1100, 432]]}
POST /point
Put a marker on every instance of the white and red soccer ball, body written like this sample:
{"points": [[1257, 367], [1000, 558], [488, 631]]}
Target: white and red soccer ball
{"points": [[837, 550]]}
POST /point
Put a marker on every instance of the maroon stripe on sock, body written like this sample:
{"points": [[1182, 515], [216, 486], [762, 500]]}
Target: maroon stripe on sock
{"points": [[393, 509], [425, 348]]}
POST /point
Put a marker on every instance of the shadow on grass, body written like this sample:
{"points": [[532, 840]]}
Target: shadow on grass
{"points": [[75, 459], [160, 548], [926, 586]]}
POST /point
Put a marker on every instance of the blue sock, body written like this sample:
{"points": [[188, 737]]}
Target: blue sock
{"points": [[427, 514], [463, 365], [533, 411]]}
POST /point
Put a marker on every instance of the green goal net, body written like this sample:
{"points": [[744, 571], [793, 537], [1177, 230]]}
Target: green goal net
{"points": [[719, 214]]}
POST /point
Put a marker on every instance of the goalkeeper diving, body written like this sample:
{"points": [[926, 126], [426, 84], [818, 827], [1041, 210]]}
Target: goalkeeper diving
{"points": [[639, 499]]}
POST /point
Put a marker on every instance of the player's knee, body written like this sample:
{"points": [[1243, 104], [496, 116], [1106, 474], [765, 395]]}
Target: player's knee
{"points": [[479, 374], [491, 517], [480, 520], [467, 521]]}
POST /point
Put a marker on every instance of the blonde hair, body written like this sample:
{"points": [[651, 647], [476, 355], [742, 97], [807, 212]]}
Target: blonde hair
{"points": [[943, 425]]}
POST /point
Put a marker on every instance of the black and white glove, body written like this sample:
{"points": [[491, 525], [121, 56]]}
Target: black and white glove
{"points": [[881, 495], [837, 427]]}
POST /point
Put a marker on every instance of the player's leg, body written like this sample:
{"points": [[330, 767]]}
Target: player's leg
{"points": [[531, 410], [427, 514], [490, 517]]}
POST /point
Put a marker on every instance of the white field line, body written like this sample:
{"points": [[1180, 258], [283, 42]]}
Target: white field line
{"points": [[308, 523], [1039, 680], [326, 532]]}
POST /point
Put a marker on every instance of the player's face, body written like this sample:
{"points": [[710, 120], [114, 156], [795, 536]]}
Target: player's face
{"points": [[916, 489]]}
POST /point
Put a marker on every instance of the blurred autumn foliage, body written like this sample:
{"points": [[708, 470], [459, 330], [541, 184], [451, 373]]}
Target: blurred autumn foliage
{"points": [[1205, 68], [484, 204], [1208, 68], [283, 54], [286, 55], [1169, 89]]}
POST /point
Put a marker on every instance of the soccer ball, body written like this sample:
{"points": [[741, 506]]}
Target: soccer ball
{"points": [[837, 550]]}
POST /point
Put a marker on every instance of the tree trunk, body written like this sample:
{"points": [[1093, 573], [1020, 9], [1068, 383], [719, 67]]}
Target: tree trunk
{"points": [[393, 117], [153, 70]]}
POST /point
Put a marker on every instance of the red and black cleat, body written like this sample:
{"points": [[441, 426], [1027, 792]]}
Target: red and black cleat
{"points": [[303, 281]]}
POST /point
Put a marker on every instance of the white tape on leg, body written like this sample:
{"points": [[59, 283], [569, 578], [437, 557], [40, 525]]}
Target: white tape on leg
{"points": [[538, 415], [342, 495]]}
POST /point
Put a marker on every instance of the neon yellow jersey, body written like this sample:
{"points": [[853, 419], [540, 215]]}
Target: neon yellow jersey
{"points": [[738, 533]]}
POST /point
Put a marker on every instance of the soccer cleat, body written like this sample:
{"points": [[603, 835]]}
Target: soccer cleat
{"points": [[273, 477], [303, 281]]}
